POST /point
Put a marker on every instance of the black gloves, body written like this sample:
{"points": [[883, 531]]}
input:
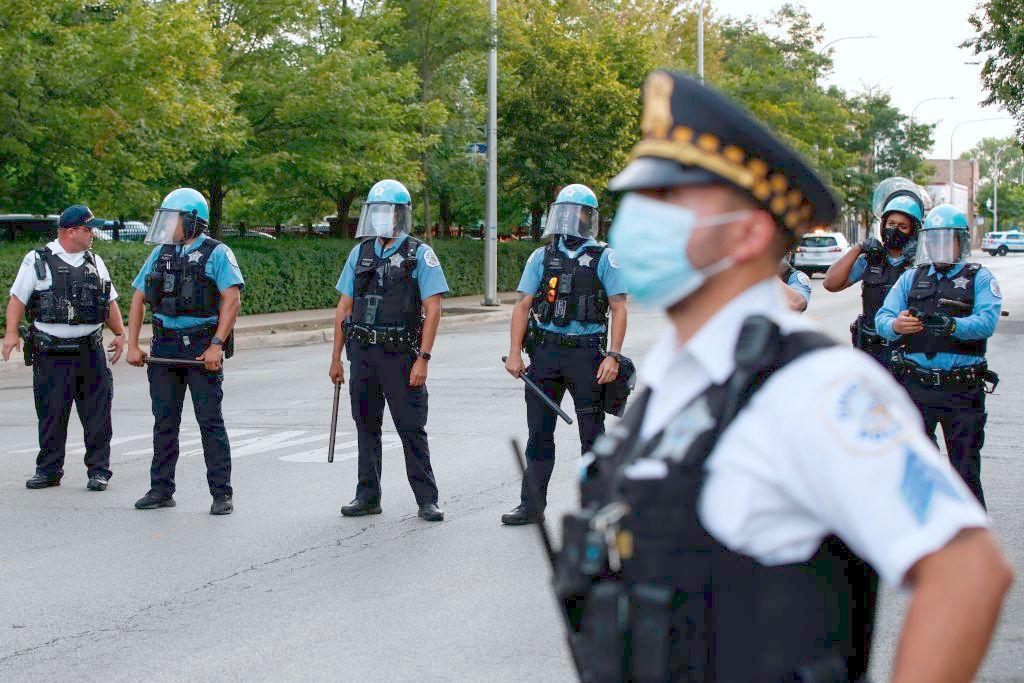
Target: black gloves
{"points": [[872, 248], [938, 325]]}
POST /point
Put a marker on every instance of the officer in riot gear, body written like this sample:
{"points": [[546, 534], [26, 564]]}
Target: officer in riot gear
{"points": [[941, 314], [66, 291], [192, 285], [566, 292], [722, 535], [387, 320], [878, 265]]}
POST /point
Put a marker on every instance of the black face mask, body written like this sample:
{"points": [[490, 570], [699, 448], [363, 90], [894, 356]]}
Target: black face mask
{"points": [[572, 242], [895, 239]]}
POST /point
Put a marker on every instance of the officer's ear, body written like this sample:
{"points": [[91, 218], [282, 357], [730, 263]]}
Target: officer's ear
{"points": [[755, 236]]}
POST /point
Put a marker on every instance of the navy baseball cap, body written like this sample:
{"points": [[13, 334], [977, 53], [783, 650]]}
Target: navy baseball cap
{"points": [[77, 216]]}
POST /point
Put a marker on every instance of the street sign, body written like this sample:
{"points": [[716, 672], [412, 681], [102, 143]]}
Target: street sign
{"points": [[477, 148]]}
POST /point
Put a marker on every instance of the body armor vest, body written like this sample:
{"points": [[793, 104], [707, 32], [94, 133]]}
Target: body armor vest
{"points": [[387, 295], [77, 296], [878, 279], [570, 289], [924, 295], [179, 285], [680, 606], [786, 272]]}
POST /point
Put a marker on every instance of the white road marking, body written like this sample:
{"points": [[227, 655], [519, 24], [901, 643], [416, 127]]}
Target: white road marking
{"points": [[388, 441], [232, 433]]}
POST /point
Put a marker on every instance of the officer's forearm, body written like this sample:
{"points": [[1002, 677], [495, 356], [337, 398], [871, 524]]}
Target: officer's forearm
{"points": [[15, 312], [341, 314], [620, 317], [795, 301], [230, 304], [135, 315], [432, 319], [958, 592], [114, 320], [520, 321], [837, 277]]}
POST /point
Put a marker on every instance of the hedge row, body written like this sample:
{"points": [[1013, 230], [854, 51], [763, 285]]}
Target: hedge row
{"points": [[292, 274]]}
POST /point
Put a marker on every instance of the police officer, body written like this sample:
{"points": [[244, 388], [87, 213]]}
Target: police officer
{"points": [[565, 294], [387, 318], [727, 533], [878, 265], [192, 284], [797, 290], [942, 312], [67, 292]]}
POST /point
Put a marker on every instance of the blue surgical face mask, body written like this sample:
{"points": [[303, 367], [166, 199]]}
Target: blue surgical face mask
{"points": [[650, 238]]}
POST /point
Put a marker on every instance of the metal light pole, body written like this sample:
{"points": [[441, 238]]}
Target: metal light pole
{"points": [[993, 118], [995, 191], [491, 228], [833, 42], [930, 99], [700, 41]]}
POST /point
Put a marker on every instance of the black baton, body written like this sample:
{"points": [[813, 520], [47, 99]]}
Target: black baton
{"points": [[334, 422], [535, 388], [176, 361]]}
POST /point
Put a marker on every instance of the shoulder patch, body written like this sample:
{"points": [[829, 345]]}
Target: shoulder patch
{"points": [[856, 411], [534, 255], [611, 258], [802, 278], [430, 258], [231, 256], [28, 260], [921, 481], [993, 287]]}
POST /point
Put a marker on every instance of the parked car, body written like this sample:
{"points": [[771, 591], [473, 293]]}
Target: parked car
{"points": [[1002, 243], [14, 225], [818, 250]]}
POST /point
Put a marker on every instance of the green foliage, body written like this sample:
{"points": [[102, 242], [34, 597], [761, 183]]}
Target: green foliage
{"points": [[295, 274], [999, 38], [1000, 156], [1011, 205]]}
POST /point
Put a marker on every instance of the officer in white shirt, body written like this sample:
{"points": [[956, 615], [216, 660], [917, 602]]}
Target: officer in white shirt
{"points": [[67, 293], [734, 524]]}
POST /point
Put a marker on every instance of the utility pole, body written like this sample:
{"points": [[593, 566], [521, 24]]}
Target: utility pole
{"points": [[700, 41], [491, 228]]}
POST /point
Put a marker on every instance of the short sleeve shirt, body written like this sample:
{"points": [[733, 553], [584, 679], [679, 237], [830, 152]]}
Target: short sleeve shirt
{"points": [[222, 267], [428, 273], [27, 282]]}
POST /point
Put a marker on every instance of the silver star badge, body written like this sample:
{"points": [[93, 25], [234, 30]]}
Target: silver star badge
{"points": [[585, 260], [396, 260], [960, 283], [194, 257]]}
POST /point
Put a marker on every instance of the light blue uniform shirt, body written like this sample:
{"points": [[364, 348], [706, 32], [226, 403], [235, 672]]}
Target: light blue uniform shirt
{"points": [[799, 282], [980, 324], [428, 273], [861, 265], [608, 273], [221, 266]]}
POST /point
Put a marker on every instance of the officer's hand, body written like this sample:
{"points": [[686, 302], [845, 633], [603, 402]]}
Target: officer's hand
{"points": [[11, 342], [337, 372], [514, 365], [871, 246], [906, 324], [939, 325], [418, 376], [608, 370], [136, 356], [117, 348], [213, 357]]}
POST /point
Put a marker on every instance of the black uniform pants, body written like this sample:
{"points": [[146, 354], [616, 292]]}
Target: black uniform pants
{"points": [[557, 368], [82, 377], [381, 374], [167, 385], [961, 412]]}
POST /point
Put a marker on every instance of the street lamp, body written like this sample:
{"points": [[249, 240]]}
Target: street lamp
{"points": [[700, 41], [995, 190], [993, 118], [833, 42], [491, 229], [930, 99]]}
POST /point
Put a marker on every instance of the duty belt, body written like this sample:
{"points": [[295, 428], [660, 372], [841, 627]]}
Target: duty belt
{"points": [[206, 328], [572, 341], [971, 376], [387, 336], [47, 343]]}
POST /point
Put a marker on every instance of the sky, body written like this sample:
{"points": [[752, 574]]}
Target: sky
{"points": [[914, 56]]}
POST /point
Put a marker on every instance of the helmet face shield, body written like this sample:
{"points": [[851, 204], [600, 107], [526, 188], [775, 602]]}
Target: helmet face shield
{"points": [[384, 220], [943, 247], [571, 220], [164, 227]]}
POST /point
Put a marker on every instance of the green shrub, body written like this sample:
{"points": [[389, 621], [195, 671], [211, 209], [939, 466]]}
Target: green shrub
{"points": [[292, 274]]}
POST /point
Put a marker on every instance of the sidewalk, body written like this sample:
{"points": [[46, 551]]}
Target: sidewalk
{"points": [[316, 326]]}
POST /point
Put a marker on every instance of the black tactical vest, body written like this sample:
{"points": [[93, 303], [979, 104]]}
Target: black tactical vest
{"points": [[78, 296], [570, 289], [387, 295], [682, 606], [925, 292], [179, 285], [878, 279]]}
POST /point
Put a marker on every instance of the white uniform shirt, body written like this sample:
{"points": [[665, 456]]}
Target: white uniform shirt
{"points": [[830, 445], [28, 282]]}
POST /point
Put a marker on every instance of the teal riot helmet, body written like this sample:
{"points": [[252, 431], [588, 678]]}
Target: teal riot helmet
{"points": [[183, 207], [890, 188], [944, 238], [573, 213], [387, 212]]}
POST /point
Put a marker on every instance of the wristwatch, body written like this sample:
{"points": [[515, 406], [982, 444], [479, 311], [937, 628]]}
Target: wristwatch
{"points": [[218, 341], [615, 355], [423, 354]]}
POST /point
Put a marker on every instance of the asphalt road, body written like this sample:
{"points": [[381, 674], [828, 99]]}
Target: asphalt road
{"points": [[286, 588]]}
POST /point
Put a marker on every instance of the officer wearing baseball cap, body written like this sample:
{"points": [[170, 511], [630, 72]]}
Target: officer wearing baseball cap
{"points": [[67, 293], [733, 525]]}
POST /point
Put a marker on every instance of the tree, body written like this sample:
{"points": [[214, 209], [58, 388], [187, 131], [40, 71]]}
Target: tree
{"points": [[999, 38], [1011, 204], [998, 154]]}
